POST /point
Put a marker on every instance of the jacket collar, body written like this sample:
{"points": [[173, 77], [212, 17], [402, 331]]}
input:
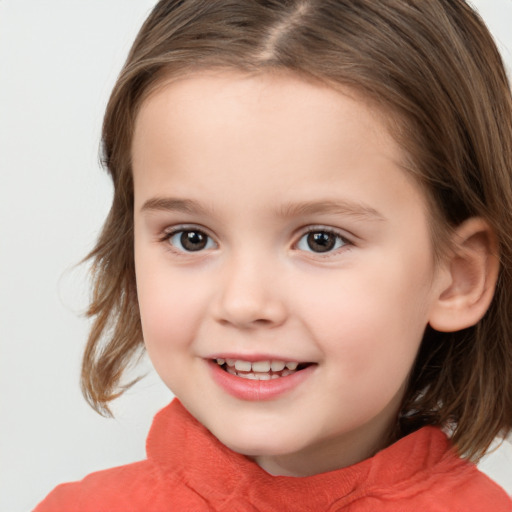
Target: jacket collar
{"points": [[180, 446]]}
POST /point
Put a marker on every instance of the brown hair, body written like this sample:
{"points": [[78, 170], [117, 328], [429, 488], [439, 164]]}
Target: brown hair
{"points": [[435, 66]]}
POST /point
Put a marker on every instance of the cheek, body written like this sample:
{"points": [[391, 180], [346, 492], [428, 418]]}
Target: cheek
{"points": [[170, 307], [170, 311], [372, 322]]}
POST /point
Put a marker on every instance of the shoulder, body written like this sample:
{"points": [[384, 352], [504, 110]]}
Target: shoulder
{"points": [[497, 463], [137, 487], [123, 488], [157, 484], [428, 475], [456, 484], [463, 483], [468, 489]]}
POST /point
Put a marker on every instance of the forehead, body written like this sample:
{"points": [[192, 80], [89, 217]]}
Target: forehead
{"points": [[283, 113]]}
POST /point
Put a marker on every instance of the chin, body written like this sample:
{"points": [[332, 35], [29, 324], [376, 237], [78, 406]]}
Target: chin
{"points": [[257, 442], [264, 432]]}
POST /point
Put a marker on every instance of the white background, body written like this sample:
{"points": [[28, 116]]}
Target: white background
{"points": [[58, 62]]}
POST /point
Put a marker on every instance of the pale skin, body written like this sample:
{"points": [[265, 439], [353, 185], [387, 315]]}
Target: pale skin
{"points": [[247, 167]]}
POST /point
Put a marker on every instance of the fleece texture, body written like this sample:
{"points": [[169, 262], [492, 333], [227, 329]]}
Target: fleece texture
{"points": [[188, 469]]}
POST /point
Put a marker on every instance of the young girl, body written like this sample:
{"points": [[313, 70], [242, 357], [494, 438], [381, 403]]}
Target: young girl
{"points": [[310, 235]]}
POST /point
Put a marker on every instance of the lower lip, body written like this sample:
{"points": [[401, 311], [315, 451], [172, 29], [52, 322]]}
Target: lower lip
{"points": [[258, 390]]}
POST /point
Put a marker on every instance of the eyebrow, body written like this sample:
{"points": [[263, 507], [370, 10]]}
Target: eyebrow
{"points": [[326, 207], [172, 204], [344, 207]]}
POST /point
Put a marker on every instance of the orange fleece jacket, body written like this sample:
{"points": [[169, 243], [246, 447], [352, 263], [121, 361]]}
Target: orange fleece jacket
{"points": [[188, 469]]}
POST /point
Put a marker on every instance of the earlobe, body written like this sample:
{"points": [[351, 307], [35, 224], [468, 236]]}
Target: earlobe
{"points": [[471, 272]]}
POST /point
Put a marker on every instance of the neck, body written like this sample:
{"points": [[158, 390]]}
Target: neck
{"points": [[330, 454]]}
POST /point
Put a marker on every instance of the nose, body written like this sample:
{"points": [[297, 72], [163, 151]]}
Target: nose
{"points": [[250, 296]]}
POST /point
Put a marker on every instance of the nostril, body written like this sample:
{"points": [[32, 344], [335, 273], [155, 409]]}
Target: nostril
{"points": [[249, 320], [262, 321]]}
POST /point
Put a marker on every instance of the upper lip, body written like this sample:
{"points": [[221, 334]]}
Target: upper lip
{"points": [[255, 357]]}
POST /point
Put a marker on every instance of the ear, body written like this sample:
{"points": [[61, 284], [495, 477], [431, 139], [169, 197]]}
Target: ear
{"points": [[467, 279]]}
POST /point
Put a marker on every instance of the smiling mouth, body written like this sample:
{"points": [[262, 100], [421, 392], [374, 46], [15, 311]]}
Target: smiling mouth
{"points": [[260, 370]]}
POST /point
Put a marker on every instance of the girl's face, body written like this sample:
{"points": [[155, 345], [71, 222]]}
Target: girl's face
{"points": [[284, 264]]}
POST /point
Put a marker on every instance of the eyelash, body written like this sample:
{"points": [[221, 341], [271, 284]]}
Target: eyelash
{"points": [[329, 231], [340, 242], [168, 235]]}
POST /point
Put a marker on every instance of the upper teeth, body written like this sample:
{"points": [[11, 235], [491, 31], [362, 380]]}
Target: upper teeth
{"points": [[258, 366]]}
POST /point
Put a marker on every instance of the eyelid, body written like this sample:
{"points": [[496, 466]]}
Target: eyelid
{"points": [[168, 232], [347, 240], [176, 228]]}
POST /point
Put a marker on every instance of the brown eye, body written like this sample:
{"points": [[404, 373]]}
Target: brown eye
{"points": [[190, 240], [321, 241]]}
